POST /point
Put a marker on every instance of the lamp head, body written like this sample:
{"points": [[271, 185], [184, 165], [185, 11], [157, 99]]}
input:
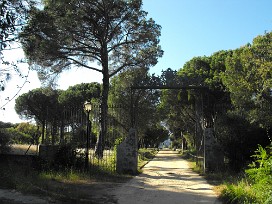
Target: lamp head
{"points": [[87, 106]]}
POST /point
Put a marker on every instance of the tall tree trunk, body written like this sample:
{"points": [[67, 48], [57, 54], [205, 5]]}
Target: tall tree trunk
{"points": [[103, 118], [43, 130], [103, 106], [62, 132]]}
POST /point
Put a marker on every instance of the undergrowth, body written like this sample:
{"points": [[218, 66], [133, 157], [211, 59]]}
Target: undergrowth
{"points": [[252, 186], [145, 155], [256, 186], [50, 181]]}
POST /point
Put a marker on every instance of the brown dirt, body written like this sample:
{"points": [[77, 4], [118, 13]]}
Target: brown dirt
{"points": [[90, 191], [165, 179]]}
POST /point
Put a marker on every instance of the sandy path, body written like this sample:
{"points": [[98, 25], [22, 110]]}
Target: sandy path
{"points": [[166, 179]]}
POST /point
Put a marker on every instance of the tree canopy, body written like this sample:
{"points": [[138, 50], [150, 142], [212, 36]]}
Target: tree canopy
{"points": [[47, 106], [114, 34], [248, 79], [13, 14]]}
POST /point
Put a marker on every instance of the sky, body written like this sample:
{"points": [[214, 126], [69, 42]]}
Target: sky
{"points": [[190, 28]]}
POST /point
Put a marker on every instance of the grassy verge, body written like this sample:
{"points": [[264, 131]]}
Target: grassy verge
{"points": [[191, 161], [68, 185], [256, 184], [145, 155]]}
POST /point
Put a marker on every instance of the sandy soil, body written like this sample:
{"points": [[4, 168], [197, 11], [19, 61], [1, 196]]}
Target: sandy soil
{"points": [[166, 179]]}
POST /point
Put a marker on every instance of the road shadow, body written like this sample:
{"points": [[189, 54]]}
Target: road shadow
{"points": [[166, 179]]}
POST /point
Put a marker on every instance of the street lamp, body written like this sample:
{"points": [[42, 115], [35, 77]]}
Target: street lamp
{"points": [[87, 108]]}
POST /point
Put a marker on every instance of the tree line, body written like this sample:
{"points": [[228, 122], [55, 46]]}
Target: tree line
{"points": [[118, 36], [237, 103]]}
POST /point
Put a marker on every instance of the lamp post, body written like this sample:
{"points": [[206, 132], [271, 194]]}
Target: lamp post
{"points": [[87, 108]]}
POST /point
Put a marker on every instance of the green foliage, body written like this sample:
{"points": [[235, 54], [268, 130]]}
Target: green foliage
{"points": [[56, 108], [189, 140], [40, 104], [257, 186], [145, 102], [238, 138], [103, 39], [5, 140], [19, 137], [145, 155], [22, 133], [248, 79], [153, 136], [58, 49], [240, 193], [67, 157], [76, 95], [176, 143], [261, 169]]}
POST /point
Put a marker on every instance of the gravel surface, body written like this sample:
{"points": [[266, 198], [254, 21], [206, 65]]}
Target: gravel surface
{"points": [[166, 179]]}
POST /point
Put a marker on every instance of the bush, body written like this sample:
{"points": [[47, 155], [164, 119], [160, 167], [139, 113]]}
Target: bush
{"points": [[5, 140], [67, 157], [256, 187], [238, 139]]}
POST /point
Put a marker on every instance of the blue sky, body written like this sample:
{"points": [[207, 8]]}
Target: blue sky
{"points": [[201, 27], [189, 28]]}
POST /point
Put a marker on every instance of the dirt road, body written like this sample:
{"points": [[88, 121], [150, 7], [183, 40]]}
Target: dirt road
{"points": [[166, 179]]}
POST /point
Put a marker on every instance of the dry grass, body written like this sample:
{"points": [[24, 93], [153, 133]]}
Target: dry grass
{"points": [[21, 149]]}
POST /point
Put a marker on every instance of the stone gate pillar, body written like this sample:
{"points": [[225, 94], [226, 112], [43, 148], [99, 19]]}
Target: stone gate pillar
{"points": [[214, 157], [127, 154]]}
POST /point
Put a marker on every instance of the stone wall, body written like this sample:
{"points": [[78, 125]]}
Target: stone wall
{"points": [[127, 154], [48, 152]]}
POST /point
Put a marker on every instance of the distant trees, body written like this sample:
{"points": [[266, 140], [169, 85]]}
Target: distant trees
{"points": [[76, 95], [5, 138], [153, 136], [115, 34], [39, 104], [46, 106], [236, 103], [140, 106], [22, 133]]}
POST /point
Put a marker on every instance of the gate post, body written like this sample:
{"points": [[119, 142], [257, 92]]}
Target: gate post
{"points": [[127, 154], [213, 154]]}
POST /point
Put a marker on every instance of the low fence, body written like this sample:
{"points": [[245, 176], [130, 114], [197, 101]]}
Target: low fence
{"points": [[199, 161], [71, 128], [107, 163], [57, 155]]}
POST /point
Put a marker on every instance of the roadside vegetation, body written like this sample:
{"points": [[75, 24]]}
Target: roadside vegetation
{"points": [[145, 155], [229, 93], [61, 182], [65, 180], [252, 185], [256, 184]]}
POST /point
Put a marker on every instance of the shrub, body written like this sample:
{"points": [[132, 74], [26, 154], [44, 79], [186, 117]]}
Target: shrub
{"points": [[256, 187], [5, 140], [67, 157]]}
